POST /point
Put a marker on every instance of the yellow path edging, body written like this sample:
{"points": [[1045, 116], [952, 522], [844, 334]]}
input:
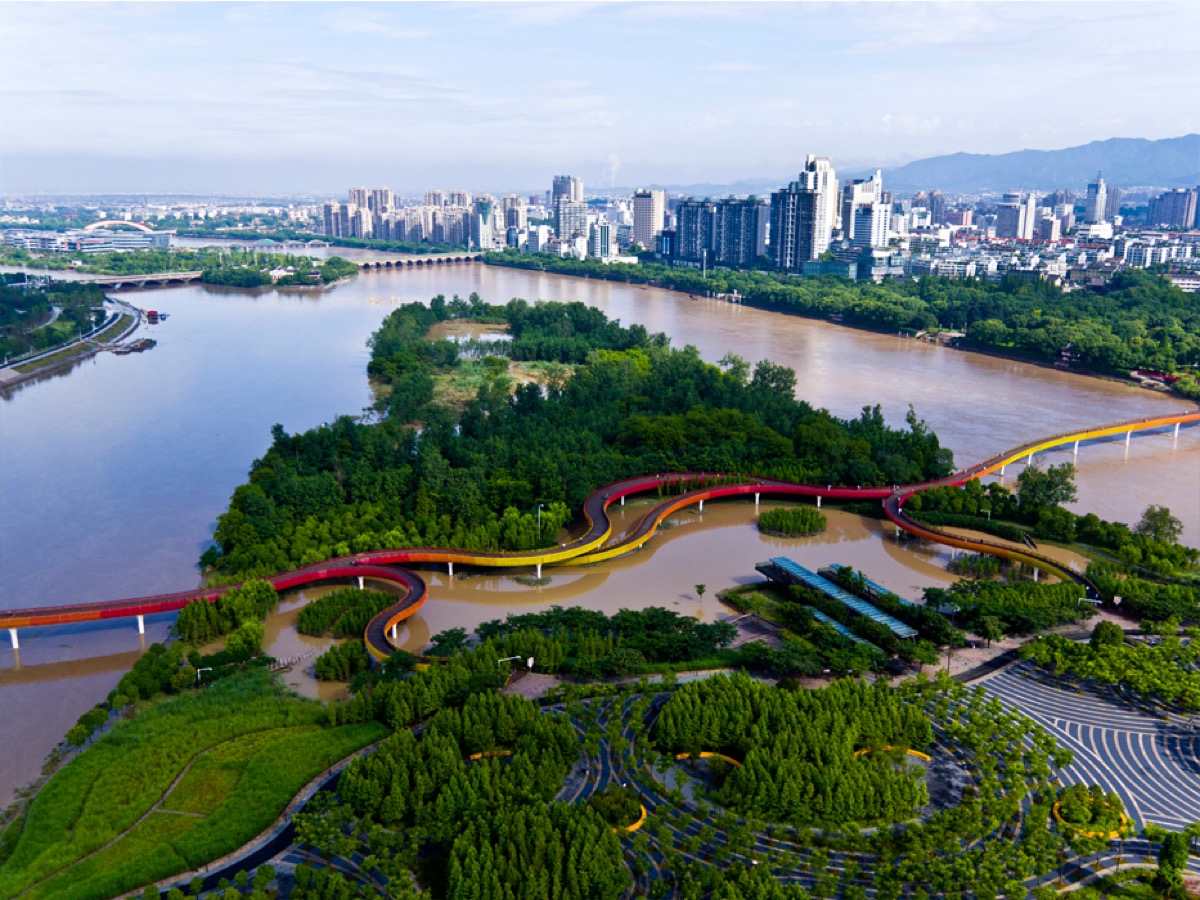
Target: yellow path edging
{"points": [[705, 754], [489, 753], [1110, 835], [630, 829], [917, 753]]}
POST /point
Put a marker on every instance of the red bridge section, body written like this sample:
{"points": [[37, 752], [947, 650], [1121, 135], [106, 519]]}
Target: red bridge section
{"points": [[592, 546]]}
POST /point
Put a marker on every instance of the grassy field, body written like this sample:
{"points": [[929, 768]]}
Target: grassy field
{"points": [[184, 782]]}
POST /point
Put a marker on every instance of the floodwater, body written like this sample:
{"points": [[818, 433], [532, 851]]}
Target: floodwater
{"points": [[112, 473]]}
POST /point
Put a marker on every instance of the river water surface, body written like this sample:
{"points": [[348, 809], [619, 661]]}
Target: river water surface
{"points": [[112, 474]]}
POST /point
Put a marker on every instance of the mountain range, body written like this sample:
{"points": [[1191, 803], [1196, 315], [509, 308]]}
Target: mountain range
{"points": [[1124, 162]]}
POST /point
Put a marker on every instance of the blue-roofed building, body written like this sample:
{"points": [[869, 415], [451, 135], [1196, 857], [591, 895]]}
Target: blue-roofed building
{"points": [[785, 571], [872, 589], [839, 628]]}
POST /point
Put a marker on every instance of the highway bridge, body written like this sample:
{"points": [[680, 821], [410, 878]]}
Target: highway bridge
{"points": [[694, 488], [129, 282]]}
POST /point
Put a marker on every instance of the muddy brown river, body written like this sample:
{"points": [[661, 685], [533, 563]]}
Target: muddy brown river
{"points": [[112, 474]]}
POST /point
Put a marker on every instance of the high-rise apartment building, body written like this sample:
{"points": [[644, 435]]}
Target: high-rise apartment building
{"points": [[435, 198], [1097, 202], [566, 187], [803, 214], [741, 232], [649, 209], [695, 229], [459, 198], [570, 218], [720, 232], [1174, 209], [380, 200], [516, 214], [331, 218], [1112, 203], [937, 208], [359, 196]]}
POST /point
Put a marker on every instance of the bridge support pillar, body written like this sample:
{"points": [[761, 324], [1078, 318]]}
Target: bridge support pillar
{"points": [[756, 499], [1176, 431], [701, 506], [451, 565], [360, 582], [1128, 435], [1076, 451], [1002, 468], [395, 630], [539, 570], [1035, 574], [622, 499], [818, 501], [12, 633], [1029, 460], [141, 624]]}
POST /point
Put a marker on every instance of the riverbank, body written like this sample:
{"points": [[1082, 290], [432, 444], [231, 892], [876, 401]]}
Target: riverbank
{"points": [[77, 351], [1052, 328]]}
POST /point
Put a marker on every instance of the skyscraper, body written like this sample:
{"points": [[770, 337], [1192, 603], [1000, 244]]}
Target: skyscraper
{"points": [[649, 207], [866, 216], [802, 215], [570, 218], [566, 187], [739, 237], [695, 229], [1011, 217], [358, 197], [600, 239], [1097, 201]]}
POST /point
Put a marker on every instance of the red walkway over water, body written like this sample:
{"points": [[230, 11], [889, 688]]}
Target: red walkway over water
{"points": [[592, 546]]}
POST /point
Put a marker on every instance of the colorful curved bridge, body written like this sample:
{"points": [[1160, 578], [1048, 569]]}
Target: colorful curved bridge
{"points": [[594, 544]]}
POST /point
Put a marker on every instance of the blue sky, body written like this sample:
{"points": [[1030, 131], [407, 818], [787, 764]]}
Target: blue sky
{"points": [[315, 97]]}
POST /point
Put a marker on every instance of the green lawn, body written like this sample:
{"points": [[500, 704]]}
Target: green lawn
{"points": [[247, 747]]}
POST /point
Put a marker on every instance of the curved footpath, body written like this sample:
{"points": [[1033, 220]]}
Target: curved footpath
{"points": [[592, 546]]}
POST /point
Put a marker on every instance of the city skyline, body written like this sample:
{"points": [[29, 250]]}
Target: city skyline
{"points": [[308, 97]]}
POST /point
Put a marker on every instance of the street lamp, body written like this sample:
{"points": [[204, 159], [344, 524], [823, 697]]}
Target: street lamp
{"points": [[540, 519]]}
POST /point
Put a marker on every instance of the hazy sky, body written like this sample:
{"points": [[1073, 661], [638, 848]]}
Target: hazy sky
{"points": [[316, 97]]}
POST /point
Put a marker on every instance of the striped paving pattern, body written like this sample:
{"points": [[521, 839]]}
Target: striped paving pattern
{"points": [[1151, 764]]}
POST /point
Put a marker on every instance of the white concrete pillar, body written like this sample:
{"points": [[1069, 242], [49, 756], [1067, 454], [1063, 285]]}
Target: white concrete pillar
{"points": [[1076, 453], [539, 570], [1029, 461], [1035, 574], [1128, 435], [818, 501], [395, 628], [360, 582], [1176, 431], [756, 499], [12, 633], [701, 506], [622, 499], [1002, 468], [141, 624], [451, 565]]}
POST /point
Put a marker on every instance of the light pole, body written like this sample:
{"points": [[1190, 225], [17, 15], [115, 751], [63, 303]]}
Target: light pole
{"points": [[540, 520]]}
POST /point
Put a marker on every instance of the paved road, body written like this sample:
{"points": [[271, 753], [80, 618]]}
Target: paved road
{"points": [[1151, 763]]}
